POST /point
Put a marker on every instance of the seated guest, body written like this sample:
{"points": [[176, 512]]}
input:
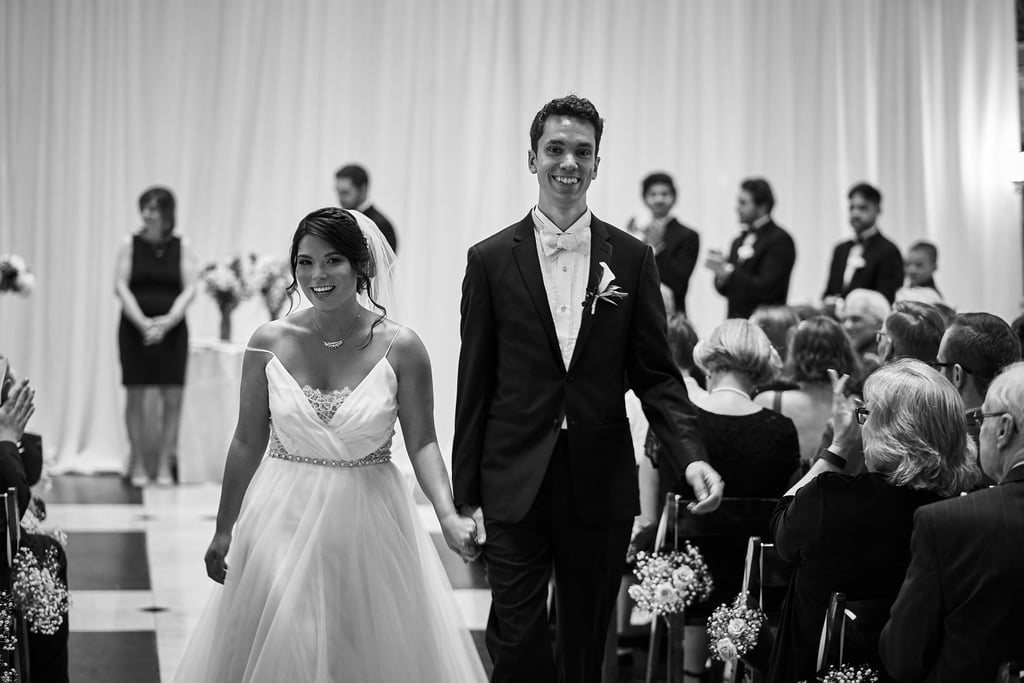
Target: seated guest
{"points": [[48, 654], [974, 349], [816, 346], [757, 269], [862, 313], [919, 269], [912, 330], [852, 533], [958, 614], [776, 322], [869, 260], [675, 245], [756, 448]]}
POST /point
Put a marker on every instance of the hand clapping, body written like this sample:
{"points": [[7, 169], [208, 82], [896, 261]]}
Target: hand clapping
{"points": [[16, 411]]}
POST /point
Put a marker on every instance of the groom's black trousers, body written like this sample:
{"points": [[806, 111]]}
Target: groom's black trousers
{"points": [[588, 561]]}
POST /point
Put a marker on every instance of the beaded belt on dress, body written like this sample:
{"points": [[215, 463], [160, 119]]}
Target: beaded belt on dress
{"points": [[378, 457]]}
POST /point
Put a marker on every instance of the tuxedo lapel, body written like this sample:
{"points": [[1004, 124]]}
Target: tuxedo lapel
{"points": [[524, 250], [600, 250]]}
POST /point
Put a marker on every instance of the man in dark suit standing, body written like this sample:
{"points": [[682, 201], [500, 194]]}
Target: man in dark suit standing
{"points": [[869, 260], [353, 185], [561, 312], [761, 258], [676, 246], [958, 614]]}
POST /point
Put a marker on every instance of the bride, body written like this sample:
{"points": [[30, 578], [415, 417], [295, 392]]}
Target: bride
{"points": [[330, 576]]}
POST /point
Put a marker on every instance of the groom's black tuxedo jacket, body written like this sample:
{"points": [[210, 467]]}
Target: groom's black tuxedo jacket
{"points": [[513, 387], [882, 270]]}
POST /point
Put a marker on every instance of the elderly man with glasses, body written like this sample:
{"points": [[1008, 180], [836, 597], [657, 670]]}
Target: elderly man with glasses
{"points": [[958, 614]]}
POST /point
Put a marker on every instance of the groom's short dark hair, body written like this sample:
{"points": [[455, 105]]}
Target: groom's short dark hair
{"points": [[570, 105]]}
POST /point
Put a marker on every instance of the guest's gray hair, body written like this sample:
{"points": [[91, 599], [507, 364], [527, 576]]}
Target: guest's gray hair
{"points": [[1007, 391], [916, 432], [739, 346]]}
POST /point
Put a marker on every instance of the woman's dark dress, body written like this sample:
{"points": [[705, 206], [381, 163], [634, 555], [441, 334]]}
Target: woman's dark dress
{"points": [[843, 533], [156, 282], [756, 455]]}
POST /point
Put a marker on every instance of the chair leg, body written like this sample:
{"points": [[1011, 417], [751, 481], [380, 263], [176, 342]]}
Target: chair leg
{"points": [[674, 646], [653, 650]]}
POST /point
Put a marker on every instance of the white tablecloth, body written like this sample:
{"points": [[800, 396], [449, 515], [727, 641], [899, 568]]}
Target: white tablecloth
{"points": [[209, 411]]}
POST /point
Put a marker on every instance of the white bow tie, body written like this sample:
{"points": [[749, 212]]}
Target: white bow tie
{"points": [[569, 241]]}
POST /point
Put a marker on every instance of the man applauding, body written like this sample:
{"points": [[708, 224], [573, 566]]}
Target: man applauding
{"points": [[561, 313]]}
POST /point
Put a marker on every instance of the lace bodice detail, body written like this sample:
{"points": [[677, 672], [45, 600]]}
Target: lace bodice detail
{"points": [[325, 403]]}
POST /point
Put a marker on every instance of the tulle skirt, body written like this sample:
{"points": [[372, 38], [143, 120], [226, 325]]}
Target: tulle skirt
{"points": [[331, 578]]}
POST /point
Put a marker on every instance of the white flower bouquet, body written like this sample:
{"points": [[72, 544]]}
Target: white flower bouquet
{"points": [[670, 582], [226, 281], [733, 629], [38, 591], [15, 276]]}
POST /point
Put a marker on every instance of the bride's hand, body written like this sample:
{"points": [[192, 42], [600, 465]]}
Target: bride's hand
{"points": [[216, 566], [460, 535]]}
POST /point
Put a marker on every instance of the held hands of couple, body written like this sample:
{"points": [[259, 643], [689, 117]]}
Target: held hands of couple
{"points": [[470, 533]]}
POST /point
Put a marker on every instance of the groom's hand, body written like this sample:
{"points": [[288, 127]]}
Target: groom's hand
{"points": [[706, 484], [477, 513]]}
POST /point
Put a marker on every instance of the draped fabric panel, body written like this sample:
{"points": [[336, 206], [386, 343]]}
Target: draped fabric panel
{"points": [[245, 108]]}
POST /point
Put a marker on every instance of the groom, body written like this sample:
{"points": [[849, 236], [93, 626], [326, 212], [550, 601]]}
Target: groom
{"points": [[561, 314]]}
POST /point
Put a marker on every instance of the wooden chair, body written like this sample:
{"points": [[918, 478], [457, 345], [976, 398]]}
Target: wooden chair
{"points": [[850, 625], [737, 518], [18, 659]]}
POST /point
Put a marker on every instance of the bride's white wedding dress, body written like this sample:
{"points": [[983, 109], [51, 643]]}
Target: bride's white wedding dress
{"points": [[331, 576]]}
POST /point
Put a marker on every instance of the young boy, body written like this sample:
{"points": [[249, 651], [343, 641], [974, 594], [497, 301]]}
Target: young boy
{"points": [[919, 268]]}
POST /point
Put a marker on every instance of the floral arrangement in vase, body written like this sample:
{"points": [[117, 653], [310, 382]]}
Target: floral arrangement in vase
{"points": [[850, 673], [227, 281], [672, 581], [270, 277], [15, 276]]}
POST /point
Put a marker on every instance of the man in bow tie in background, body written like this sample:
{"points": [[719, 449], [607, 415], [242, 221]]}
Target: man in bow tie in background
{"points": [[869, 260], [760, 261], [561, 313]]}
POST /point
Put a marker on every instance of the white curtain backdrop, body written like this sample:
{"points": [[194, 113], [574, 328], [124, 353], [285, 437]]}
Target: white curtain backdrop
{"points": [[245, 108]]}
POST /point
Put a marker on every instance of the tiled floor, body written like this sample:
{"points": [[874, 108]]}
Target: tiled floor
{"points": [[138, 583]]}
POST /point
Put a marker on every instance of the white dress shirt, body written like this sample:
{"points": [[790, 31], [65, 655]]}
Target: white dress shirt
{"points": [[565, 276]]}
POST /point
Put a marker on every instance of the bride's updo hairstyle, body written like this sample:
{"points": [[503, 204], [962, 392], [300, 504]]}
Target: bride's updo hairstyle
{"points": [[338, 228]]}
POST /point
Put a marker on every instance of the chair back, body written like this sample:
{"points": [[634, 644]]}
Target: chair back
{"points": [[850, 626], [735, 517], [18, 659], [765, 574]]}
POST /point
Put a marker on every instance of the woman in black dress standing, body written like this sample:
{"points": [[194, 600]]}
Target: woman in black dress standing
{"points": [[155, 283]]}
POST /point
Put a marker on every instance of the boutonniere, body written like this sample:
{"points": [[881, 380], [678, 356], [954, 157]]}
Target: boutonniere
{"points": [[605, 290], [746, 250], [857, 262]]}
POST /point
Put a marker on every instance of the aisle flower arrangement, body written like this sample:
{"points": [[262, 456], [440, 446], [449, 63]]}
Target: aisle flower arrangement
{"points": [[8, 640], [38, 591], [270, 277], [15, 276], [733, 629], [227, 282], [850, 673], [672, 581]]}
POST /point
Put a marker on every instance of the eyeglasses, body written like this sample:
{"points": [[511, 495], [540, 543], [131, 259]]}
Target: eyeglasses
{"points": [[862, 413], [976, 417], [939, 365], [878, 336]]}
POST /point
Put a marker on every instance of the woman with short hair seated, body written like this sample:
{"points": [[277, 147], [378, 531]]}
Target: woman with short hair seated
{"points": [[852, 533], [815, 347]]}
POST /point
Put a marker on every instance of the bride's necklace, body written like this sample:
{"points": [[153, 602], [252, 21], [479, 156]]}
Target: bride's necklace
{"points": [[340, 342], [733, 390]]}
